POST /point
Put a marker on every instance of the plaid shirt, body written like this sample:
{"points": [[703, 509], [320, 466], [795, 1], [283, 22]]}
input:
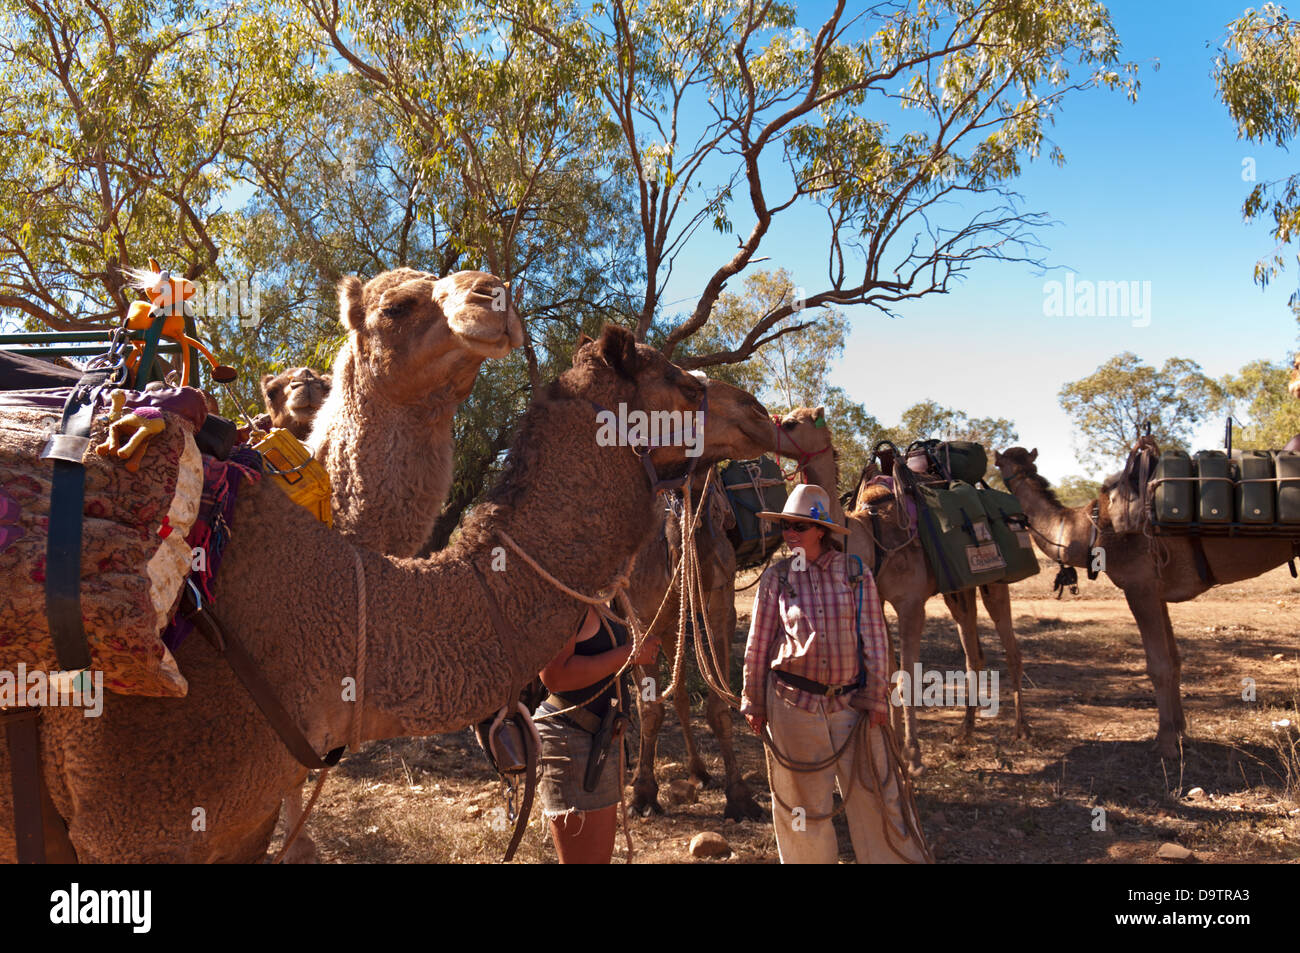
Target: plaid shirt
{"points": [[810, 634]]}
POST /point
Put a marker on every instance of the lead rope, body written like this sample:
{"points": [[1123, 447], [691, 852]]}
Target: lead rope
{"points": [[355, 735]]}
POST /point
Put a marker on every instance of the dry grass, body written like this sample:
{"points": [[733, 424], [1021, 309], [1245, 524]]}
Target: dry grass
{"points": [[1088, 700]]}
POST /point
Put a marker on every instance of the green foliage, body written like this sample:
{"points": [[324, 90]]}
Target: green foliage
{"points": [[1110, 406], [1075, 490], [1258, 392], [1258, 76]]}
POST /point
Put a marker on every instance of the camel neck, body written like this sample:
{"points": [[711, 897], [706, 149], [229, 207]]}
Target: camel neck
{"points": [[436, 661], [1062, 532], [390, 464], [825, 472]]}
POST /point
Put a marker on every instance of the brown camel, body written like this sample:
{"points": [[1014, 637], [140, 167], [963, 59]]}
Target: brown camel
{"points": [[292, 399], [201, 778], [414, 348], [651, 580], [905, 580], [415, 344], [1130, 560]]}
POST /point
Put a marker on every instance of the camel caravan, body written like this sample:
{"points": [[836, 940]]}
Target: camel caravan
{"points": [[143, 531]]}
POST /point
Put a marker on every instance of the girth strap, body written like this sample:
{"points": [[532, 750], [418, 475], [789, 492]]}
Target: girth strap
{"points": [[67, 501], [25, 772], [263, 695]]}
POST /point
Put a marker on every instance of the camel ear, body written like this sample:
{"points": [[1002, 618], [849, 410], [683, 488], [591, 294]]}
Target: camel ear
{"points": [[1033, 455], [617, 348], [819, 418], [582, 341], [997, 459], [351, 310]]}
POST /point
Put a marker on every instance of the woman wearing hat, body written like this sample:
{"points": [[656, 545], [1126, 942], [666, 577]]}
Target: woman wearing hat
{"points": [[816, 664]]}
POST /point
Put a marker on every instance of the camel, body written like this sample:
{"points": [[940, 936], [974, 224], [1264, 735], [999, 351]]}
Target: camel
{"points": [[651, 581], [384, 434], [292, 399], [905, 580], [1065, 534], [200, 779]]}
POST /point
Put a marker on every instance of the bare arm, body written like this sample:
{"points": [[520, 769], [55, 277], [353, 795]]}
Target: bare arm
{"points": [[567, 671]]}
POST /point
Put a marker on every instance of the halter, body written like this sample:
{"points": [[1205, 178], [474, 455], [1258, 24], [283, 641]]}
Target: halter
{"points": [[657, 484], [1094, 532], [801, 462]]}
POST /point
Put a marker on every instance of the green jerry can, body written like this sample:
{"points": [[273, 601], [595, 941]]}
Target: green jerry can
{"points": [[1255, 489], [1173, 499], [956, 536], [1287, 464], [1213, 487], [1011, 532]]}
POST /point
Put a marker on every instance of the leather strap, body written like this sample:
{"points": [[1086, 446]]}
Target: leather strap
{"points": [[511, 634], [526, 808], [67, 501], [579, 716], [21, 731], [1202, 564], [816, 688], [263, 695]]}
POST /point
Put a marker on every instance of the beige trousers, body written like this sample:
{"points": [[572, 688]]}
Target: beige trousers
{"points": [[803, 838]]}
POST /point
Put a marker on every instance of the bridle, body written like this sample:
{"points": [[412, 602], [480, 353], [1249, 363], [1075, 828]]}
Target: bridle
{"points": [[1062, 550], [643, 450], [802, 460]]}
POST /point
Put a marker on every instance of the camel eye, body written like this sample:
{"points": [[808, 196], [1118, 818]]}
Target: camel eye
{"points": [[789, 424]]}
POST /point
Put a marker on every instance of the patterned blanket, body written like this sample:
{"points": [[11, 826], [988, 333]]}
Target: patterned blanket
{"points": [[134, 551]]}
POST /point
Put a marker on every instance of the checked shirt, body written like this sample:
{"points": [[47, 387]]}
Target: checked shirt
{"points": [[810, 634]]}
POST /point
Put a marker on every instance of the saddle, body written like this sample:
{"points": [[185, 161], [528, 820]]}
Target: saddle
{"points": [[134, 556], [1128, 492]]}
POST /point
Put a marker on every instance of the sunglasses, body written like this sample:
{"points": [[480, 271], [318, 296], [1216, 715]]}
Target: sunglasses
{"points": [[799, 527]]}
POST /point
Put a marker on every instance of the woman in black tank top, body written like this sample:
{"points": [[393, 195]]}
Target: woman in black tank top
{"points": [[582, 835]]}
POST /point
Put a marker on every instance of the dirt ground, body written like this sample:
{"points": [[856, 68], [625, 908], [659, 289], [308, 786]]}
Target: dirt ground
{"points": [[1233, 797]]}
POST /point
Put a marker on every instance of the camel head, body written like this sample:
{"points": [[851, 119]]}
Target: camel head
{"points": [[419, 335], [1293, 388], [802, 433], [735, 424], [1016, 461], [292, 398]]}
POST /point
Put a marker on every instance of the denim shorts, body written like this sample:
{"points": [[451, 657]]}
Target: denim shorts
{"points": [[565, 749]]}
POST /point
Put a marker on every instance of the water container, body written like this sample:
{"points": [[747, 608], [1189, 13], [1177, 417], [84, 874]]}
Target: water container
{"points": [[1213, 487], [1287, 463], [1173, 499], [1255, 491]]}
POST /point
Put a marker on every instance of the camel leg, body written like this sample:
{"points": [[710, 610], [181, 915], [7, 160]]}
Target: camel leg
{"points": [[962, 606], [997, 601], [1151, 616], [740, 801], [303, 849], [645, 789], [911, 623], [1180, 721], [694, 763]]}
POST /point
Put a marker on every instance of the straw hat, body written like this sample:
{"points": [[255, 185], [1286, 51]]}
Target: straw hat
{"points": [[807, 503]]}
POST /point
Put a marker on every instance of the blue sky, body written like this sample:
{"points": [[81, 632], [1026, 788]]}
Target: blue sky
{"points": [[1151, 192]]}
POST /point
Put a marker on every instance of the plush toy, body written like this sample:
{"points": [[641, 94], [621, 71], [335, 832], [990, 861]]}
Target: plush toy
{"points": [[129, 434], [170, 297]]}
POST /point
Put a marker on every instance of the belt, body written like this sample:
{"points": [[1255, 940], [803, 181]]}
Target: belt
{"points": [[579, 716], [815, 688]]}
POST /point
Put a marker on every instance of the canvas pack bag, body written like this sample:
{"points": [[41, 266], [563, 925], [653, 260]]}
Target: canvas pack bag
{"points": [[753, 487], [1010, 528], [957, 536], [962, 460]]}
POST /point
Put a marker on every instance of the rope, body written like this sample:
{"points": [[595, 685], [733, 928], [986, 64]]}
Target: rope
{"points": [[864, 766]]}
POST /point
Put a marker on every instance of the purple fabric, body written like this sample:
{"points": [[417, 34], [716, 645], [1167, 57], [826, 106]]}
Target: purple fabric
{"points": [[888, 483], [185, 402], [211, 530]]}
